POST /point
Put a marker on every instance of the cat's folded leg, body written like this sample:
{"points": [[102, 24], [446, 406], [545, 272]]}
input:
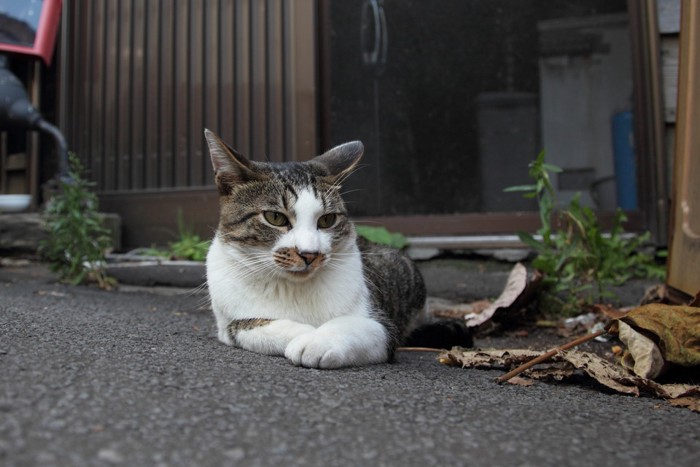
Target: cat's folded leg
{"points": [[265, 336], [341, 342]]}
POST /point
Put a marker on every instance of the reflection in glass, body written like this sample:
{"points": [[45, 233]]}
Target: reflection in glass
{"points": [[19, 21], [453, 99]]}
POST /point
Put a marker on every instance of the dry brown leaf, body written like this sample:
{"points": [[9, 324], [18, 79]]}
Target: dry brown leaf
{"points": [[643, 356], [565, 364], [520, 381], [691, 403], [608, 374], [487, 358], [442, 308], [515, 295], [676, 327]]}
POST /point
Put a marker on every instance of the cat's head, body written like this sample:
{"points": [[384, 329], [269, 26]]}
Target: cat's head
{"points": [[287, 218]]}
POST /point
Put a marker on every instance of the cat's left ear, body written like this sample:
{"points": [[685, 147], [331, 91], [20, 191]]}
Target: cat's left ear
{"points": [[341, 160]]}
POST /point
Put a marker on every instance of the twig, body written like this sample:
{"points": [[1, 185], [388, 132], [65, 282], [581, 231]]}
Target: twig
{"points": [[550, 354], [418, 349]]}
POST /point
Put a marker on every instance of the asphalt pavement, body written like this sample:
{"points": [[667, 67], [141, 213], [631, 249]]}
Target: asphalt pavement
{"points": [[90, 377]]}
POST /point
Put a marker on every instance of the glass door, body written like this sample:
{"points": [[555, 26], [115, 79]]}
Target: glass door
{"points": [[453, 99]]}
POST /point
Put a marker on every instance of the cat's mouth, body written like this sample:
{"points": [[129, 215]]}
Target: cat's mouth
{"points": [[299, 265], [303, 274]]}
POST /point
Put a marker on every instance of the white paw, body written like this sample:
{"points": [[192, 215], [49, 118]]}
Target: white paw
{"points": [[340, 343], [273, 338]]}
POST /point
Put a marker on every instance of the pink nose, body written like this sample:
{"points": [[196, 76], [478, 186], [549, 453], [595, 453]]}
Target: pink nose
{"points": [[308, 256]]}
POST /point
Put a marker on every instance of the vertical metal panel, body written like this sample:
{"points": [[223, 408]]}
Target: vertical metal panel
{"points": [[275, 80], [226, 88], [110, 99], [212, 81], [181, 91], [146, 76], [152, 73], [300, 73], [166, 93], [241, 78], [138, 127], [94, 124]]}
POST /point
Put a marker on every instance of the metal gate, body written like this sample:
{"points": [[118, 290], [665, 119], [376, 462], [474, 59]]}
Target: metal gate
{"points": [[141, 79]]}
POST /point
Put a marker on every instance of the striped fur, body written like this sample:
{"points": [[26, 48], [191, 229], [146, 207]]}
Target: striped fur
{"points": [[286, 274]]}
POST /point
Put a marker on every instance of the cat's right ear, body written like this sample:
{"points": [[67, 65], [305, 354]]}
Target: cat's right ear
{"points": [[230, 167], [341, 160]]}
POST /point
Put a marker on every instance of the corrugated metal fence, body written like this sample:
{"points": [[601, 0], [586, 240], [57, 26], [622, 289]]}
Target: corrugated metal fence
{"points": [[143, 78], [146, 76]]}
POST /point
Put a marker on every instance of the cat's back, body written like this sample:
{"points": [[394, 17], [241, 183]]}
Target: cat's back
{"points": [[395, 283]]}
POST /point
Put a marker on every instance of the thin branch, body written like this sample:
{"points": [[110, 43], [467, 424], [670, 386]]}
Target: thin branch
{"points": [[418, 349], [550, 354]]}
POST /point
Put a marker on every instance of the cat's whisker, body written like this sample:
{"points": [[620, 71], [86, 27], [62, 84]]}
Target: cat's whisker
{"points": [[341, 179], [347, 192]]}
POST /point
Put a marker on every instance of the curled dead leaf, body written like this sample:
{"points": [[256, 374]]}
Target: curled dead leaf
{"points": [[518, 290], [643, 356], [676, 329]]}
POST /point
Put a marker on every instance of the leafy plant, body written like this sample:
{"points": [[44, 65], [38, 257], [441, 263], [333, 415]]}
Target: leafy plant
{"points": [[579, 260], [77, 240], [382, 236], [189, 245]]}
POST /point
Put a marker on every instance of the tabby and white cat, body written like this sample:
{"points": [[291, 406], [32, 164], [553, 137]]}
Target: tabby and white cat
{"points": [[287, 274]]}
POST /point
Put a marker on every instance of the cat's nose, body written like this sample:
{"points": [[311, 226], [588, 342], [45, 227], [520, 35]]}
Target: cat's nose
{"points": [[308, 256]]}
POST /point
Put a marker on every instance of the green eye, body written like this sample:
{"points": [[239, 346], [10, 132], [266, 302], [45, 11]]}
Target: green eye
{"points": [[276, 218], [326, 221]]}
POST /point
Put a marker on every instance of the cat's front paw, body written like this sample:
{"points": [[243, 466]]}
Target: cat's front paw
{"points": [[340, 343]]}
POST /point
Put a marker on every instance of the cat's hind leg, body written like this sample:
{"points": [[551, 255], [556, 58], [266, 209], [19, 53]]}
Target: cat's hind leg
{"points": [[341, 342]]}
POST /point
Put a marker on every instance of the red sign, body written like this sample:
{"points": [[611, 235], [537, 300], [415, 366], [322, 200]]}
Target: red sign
{"points": [[29, 27]]}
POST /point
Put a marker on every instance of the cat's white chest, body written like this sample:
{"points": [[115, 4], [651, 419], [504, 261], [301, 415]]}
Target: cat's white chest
{"points": [[238, 293]]}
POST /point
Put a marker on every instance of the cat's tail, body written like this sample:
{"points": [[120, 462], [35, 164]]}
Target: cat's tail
{"points": [[440, 333]]}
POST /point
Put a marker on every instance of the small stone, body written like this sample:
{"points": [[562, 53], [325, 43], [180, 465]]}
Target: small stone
{"points": [[110, 455], [235, 454]]}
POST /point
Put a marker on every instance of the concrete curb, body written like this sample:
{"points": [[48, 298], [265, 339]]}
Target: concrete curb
{"points": [[150, 272]]}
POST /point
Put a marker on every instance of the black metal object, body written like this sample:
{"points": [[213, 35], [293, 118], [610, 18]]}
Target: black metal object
{"points": [[17, 112]]}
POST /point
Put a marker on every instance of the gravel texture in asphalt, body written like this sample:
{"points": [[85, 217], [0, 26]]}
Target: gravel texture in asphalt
{"points": [[89, 377]]}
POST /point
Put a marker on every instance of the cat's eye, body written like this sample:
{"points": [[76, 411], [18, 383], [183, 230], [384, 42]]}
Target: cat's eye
{"points": [[326, 221], [276, 218]]}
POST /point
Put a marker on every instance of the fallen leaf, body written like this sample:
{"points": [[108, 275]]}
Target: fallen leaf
{"points": [[517, 292], [520, 381], [687, 402], [484, 358], [442, 308], [606, 373], [676, 327], [567, 363], [643, 355]]}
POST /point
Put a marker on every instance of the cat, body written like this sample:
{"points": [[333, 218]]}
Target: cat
{"points": [[287, 274]]}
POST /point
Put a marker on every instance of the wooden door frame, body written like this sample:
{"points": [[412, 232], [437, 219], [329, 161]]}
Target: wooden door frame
{"points": [[683, 267]]}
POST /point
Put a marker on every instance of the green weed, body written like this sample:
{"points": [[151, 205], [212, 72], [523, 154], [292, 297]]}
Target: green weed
{"points": [[581, 262], [77, 242], [382, 236], [189, 245]]}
